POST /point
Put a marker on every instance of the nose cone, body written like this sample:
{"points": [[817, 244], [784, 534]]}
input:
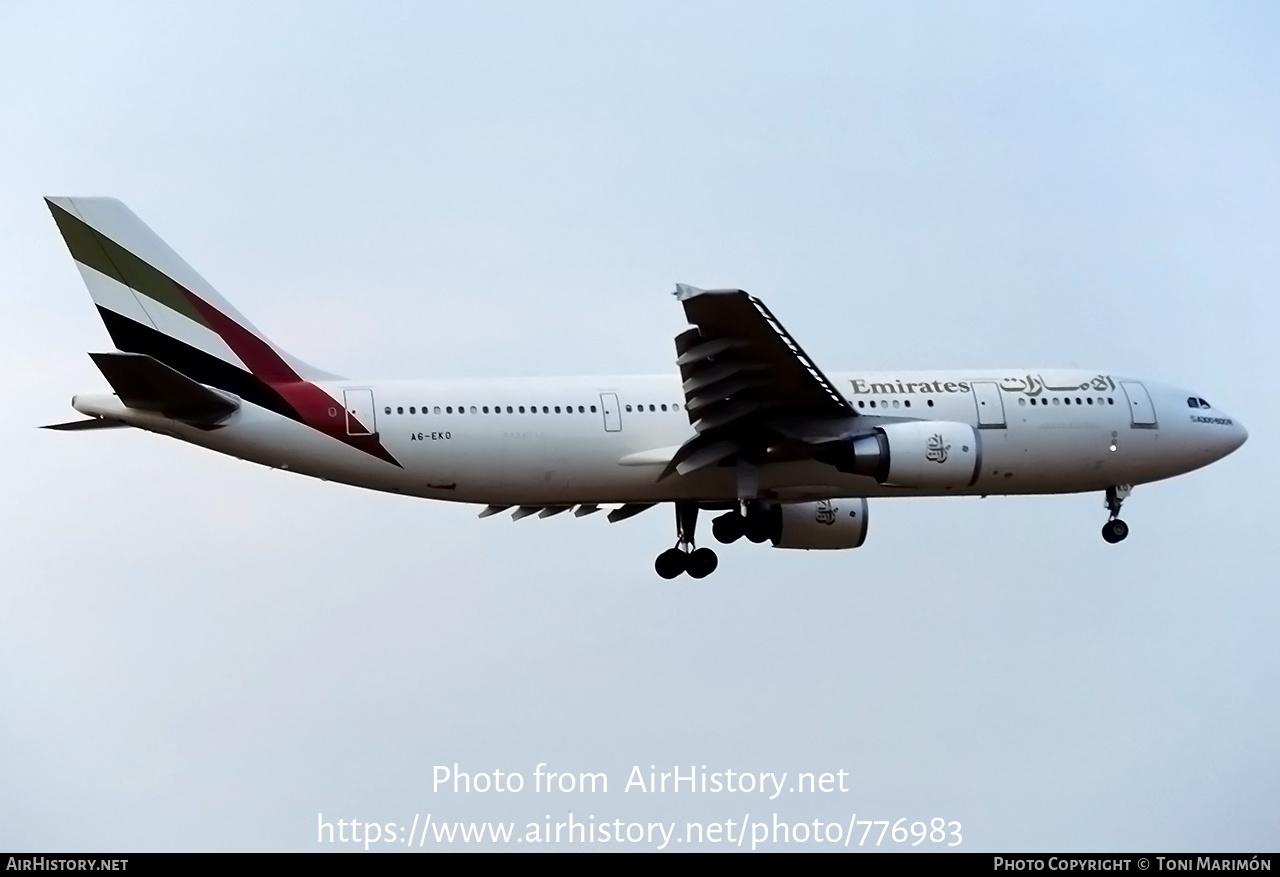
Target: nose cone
{"points": [[1223, 434], [1238, 435]]}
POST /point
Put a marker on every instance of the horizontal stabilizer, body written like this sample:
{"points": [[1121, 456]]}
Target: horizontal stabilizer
{"points": [[94, 423], [147, 384]]}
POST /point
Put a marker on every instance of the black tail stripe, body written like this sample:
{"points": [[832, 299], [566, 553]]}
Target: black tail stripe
{"points": [[133, 337]]}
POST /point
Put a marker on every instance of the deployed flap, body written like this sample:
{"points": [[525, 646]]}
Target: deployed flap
{"points": [[742, 372], [149, 385], [738, 353], [629, 510]]}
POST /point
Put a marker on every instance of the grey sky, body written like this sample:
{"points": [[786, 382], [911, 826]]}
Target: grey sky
{"points": [[197, 653]]}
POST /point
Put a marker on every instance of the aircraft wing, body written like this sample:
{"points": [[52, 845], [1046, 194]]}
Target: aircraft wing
{"points": [[748, 385]]}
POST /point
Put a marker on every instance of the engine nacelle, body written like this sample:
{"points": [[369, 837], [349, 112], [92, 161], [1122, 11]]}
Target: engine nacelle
{"points": [[914, 453], [924, 453], [827, 524]]}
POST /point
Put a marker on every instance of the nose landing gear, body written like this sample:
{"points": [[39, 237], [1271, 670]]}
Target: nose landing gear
{"points": [[1115, 530], [684, 557]]}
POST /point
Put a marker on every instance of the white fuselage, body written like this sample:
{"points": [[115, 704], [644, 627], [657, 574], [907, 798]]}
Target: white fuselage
{"points": [[607, 439]]}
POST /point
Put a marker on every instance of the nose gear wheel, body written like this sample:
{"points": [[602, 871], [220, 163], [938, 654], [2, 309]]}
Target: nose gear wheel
{"points": [[1115, 530]]}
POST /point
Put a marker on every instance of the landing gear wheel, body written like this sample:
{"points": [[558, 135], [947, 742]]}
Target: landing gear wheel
{"points": [[697, 562], [728, 528], [671, 563], [757, 528], [1115, 530], [702, 563]]}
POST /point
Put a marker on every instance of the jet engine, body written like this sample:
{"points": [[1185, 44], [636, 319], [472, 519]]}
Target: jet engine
{"points": [[830, 523], [915, 453]]}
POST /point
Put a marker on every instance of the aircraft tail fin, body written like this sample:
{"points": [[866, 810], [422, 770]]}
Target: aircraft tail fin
{"points": [[154, 303]]}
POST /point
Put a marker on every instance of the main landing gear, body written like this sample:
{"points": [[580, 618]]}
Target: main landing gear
{"points": [[697, 562], [755, 522], [1115, 530]]}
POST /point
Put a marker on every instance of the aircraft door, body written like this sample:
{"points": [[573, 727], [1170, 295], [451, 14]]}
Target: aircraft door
{"points": [[361, 415], [1142, 412], [612, 412], [986, 395]]}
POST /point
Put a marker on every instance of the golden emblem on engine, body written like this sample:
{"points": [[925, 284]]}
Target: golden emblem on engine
{"points": [[937, 449], [826, 513]]}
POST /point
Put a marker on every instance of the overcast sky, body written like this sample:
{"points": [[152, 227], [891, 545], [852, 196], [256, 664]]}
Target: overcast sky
{"points": [[200, 654]]}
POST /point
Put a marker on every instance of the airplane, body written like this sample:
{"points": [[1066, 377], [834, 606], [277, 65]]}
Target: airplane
{"points": [[746, 425]]}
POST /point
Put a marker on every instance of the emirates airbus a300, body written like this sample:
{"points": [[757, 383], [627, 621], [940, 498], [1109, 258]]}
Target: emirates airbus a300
{"points": [[746, 424]]}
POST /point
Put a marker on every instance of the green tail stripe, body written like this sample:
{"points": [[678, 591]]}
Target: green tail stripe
{"points": [[90, 247]]}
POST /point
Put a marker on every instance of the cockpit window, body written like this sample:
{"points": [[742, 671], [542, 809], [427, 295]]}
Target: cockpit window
{"points": [[1204, 404]]}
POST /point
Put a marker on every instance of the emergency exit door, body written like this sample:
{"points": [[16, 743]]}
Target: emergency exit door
{"points": [[1142, 412], [361, 415], [986, 395], [612, 412]]}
